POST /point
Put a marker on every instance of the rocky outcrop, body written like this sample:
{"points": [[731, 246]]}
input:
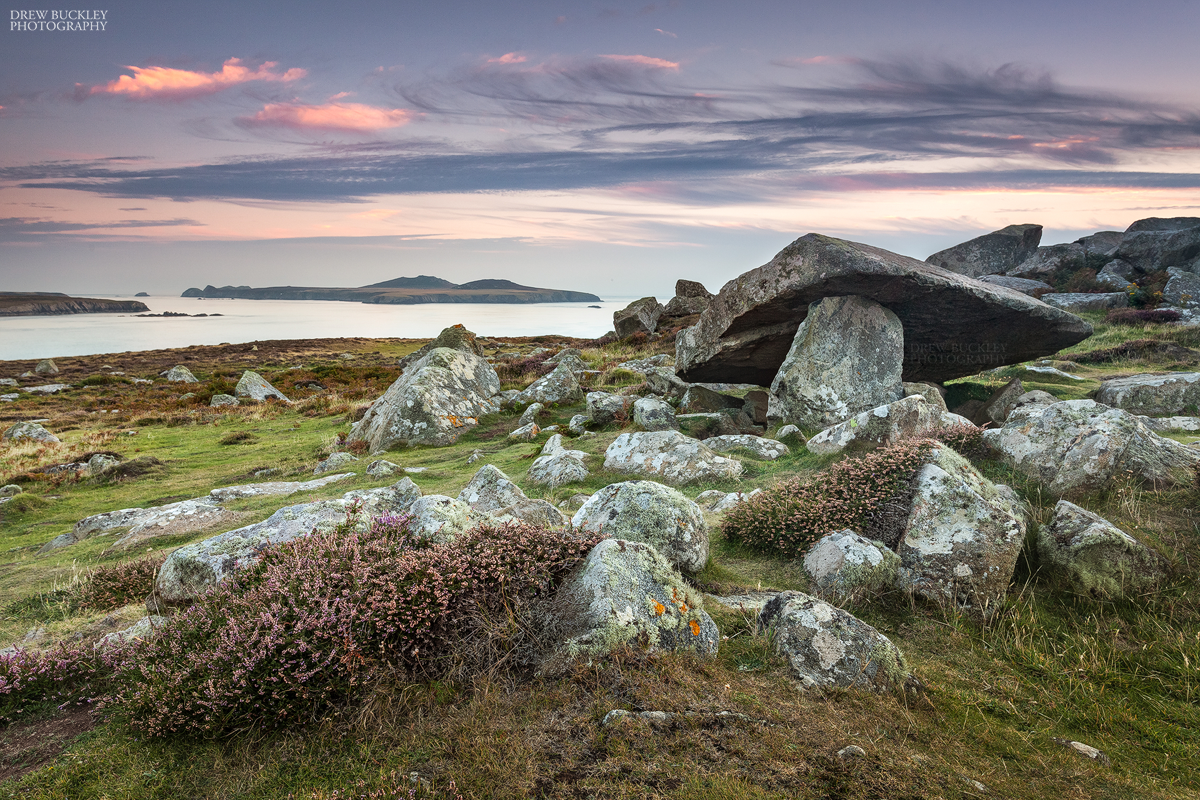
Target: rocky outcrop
{"points": [[626, 593], [998, 251], [1048, 260], [1182, 289], [185, 516], [953, 326], [1081, 445], [24, 304], [1095, 557], [433, 402], [640, 316], [1156, 243], [690, 298], [255, 387], [846, 566], [648, 512], [885, 425], [828, 647], [668, 456], [846, 357], [29, 430], [1023, 285], [1159, 395], [962, 537], [456, 337]]}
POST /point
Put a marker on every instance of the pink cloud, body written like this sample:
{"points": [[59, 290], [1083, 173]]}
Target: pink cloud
{"points": [[814, 60], [645, 61], [347, 117], [509, 58], [666, 33], [149, 83]]}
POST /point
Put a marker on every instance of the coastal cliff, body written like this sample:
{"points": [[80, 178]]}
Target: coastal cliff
{"points": [[23, 304], [404, 291]]}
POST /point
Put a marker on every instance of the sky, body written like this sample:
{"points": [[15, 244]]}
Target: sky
{"points": [[610, 147]]}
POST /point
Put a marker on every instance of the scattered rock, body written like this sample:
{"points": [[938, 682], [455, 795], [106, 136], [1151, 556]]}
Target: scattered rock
{"points": [[851, 751], [1170, 394], [219, 400], [578, 424], [381, 468], [645, 365], [335, 461], [790, 435], [560, 387], [1117, 274], [530, 414], [651, 414], [101, 462], [846, 358], [1154, 244], [997, 407], [1048, 260], [491, 489], [604, 408], [46, 367], [255, 387], [144, 628], [885, 425], [29, 430], [10, 490], [663, 381], [1087, 302], [1085, 750], [934, 395], [998, 251], [180, 374], [433, 402], [845, 565], [639, 316], [645, 511], [669, 456], [1095, 556], [532, 512], [525, 433], [185, 516], [753, 446], [53, 388], [828, 647], [1171, 424], [439, 518], [1182, 289], [274, 488], [558, 466], [732, 499]]}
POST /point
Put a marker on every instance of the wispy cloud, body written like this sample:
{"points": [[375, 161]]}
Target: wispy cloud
{"points": [[167, 83], [14, 229], [333, 116], [509, 58], [645, 61], [665, 33]]}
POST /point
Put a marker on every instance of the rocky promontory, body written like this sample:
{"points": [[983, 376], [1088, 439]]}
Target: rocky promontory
{"points": [[24, 304], [404, 291]]}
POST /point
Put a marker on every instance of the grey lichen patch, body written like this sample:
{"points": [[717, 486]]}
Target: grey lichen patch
{"points": [[645, 511]]}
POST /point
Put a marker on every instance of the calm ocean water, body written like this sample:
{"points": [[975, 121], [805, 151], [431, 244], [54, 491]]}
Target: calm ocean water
{"points": [[256, 320]]}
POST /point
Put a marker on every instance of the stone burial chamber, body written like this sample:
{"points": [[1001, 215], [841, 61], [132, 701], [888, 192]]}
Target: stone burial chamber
{"points": [[939, 324]]}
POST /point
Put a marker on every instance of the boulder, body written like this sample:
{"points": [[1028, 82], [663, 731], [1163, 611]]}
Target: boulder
{"points": [[558, 466], [701, 400], [29, 430], [669, 456], [525, 433], [335, 462], [846, 566], [100, 463], [568, 354], [1182, 289], [689, 289], [846, 357], [885, 425], [645, 511], [998, 251], [189, 571], [578, 424], [732, 499], [1076, 302], [1048, 260], [456, 337], [1095, 557], [604, 408], [532, 512], [433, 402], [1117, 274], [1171, 424], [180, 374], [640, 316], [144, 628], [933, 394], [1022, 285], [1102, 243], [560, 387], [491, 489], [962, 536], [381, 468], [1003, 401], [690, 298], [219, 400], [1170, 394], [440, 519], [530, 414], [10, 490], [185, 516], [626, 593], [953, 326], [644, 365], [1156, 244], [652, 414], [828, 647], [274, 488], [790, 435], [753, 446], [46, 367], [663, 381], [255, 387], [1081, 445], [53, 388]]}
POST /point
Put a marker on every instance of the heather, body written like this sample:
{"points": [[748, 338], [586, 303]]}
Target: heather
{"points": [[791, 515], [31, 680], [321, 617], [115, 585]]}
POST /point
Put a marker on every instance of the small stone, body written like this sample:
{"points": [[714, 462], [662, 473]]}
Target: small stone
{"points": [[335, 462], [531, 413], [851, 751], [381, 468], [525, 433], [180, 374], [219, 400], [46, 367]]}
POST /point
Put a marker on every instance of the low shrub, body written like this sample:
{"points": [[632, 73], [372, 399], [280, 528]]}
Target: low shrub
{"points": [[967, 440], [30, 679], [103, 380], [1141, 316], [791, 515], [319, 617], [238, 437], [523, 370], [119, 585]]}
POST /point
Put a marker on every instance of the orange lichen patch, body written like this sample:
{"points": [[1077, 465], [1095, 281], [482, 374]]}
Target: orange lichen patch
{"points": [[659, 608], [695, 626]]}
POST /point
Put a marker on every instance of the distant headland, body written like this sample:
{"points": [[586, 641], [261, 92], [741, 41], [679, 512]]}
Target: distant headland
{"points": [[26, 304], [405, 291]]}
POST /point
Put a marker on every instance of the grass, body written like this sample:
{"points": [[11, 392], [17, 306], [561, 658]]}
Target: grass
{"points": [[1124, 677]]}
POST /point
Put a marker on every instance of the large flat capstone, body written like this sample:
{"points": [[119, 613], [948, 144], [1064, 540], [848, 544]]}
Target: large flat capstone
{"points": [[953, 325]]}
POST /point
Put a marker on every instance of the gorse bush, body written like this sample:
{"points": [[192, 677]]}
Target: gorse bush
{"points": [[119, 585], [319, 617], [789, 516]]}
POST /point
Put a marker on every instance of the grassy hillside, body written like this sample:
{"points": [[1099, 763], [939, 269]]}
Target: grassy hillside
{"points": [[993, 699]]}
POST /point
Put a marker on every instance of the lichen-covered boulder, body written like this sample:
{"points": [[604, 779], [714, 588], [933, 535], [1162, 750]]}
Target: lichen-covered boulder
{"points": [[663, 381], [525, 433], [219, 400], [381, 468], [997, 407], [440, 518], [192, 569], [604, 408], [533, 512], [491, 489], [1081, 301], [1182, 289], [560, 387], [274, 488], [640, 316], [100, 463], [46, 367], [1166, 395], [732, 499], [180, 374], [962, 536], [885, 425], [1048, 260], [184, 516], [668, 456], [144, 628], [1096, 557], [645, 511], [530, 414], [334, 462], [29, 430], [998, 251], [578, 424], [746, 444], [456, 337], [558, 466], [1023, 285], [829, 647], [846, 358], [652, 414], [790, 435], [927, 390], [1081, 445], [433, 402], [1157, 243], [844, 565], [626, 594], [257, 388]]}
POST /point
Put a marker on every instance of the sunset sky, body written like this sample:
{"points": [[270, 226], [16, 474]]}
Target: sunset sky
{"points": [[610, 147]]}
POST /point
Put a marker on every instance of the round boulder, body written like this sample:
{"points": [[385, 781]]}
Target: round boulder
{"points": [[645, 511]]}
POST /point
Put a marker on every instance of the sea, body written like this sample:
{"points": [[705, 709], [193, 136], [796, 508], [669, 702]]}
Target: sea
{"points": [[258, 320]]}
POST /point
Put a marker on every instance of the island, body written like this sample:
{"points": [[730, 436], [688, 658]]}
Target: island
{"points": [[26, 304], [405, 291]]}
